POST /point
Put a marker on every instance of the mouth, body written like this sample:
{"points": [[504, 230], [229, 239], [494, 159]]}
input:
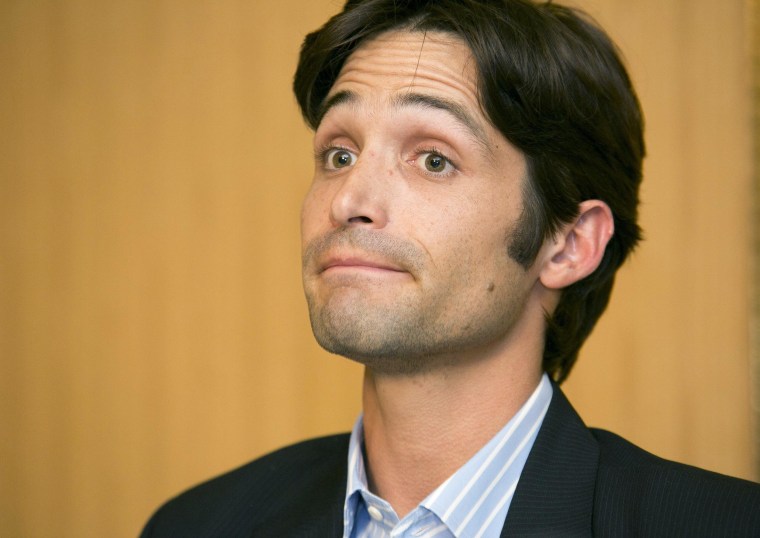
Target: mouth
{"points": [[337, 264]]}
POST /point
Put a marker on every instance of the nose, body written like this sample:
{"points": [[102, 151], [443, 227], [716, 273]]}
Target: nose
{"points": [[362, 198]]}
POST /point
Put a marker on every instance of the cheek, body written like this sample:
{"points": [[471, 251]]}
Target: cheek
{"points": [[315, 211], [473, 253], [458, 252]]}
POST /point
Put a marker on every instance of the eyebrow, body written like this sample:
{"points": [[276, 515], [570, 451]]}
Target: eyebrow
{"points": [[342, 97], [411, 99], [456, 110]]}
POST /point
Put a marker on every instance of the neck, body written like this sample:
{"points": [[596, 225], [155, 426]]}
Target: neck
{"points": [[419, 429]]}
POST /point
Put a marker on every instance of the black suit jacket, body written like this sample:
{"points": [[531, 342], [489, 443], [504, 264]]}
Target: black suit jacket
{"points": [[576, 482]]}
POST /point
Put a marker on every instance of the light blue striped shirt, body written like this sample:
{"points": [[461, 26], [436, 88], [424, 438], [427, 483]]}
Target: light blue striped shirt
{"points": [[471, 503]]}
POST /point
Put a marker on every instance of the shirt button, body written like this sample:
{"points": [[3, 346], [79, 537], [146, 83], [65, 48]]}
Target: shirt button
{"points": [[375, 514]]}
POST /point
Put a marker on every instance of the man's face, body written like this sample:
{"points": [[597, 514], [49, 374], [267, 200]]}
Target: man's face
{"points": [[414, 200]]}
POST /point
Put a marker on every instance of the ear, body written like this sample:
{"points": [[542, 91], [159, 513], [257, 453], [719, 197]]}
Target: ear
{"points": [[577, 249]]}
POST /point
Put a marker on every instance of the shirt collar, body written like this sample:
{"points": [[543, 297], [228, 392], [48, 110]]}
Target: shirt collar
{"points": [[477, 496]]}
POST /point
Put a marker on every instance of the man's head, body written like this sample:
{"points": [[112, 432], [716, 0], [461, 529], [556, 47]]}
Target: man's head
{"points": [[541, 91]]}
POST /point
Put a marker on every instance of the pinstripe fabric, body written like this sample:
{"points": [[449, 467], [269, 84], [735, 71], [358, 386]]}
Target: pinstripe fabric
{"points": [[473, 502], [581, 482], [576, 482], [643, 495]]}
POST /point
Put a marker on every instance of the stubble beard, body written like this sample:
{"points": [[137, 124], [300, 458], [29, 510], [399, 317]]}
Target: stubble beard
{"points": [[405, 334], [387, 340], [405, 337], [345, 321]]}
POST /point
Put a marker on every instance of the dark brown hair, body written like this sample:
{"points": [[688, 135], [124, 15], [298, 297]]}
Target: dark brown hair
{"points": [[552, 82]]}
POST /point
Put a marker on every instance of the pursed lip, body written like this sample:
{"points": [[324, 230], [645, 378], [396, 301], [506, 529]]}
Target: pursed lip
{"points": [[358, 262]]}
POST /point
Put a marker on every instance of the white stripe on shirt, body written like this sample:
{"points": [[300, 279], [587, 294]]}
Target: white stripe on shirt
{"points": [[474, 501]]}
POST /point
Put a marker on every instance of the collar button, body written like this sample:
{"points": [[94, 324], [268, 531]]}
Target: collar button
{"points": [[374, 513]]}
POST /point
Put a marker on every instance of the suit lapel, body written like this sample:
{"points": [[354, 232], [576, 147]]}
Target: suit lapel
{"points": [[555, 494], [314, 498], [554, 497]]}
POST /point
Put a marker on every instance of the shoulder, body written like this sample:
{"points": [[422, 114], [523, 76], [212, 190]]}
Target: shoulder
{"points": [[642, 493], [298, 479]]}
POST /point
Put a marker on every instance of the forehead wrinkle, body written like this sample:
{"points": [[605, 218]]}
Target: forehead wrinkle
{"points": [[457, 111]]}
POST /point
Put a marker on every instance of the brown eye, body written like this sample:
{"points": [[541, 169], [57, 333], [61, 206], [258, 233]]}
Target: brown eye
{"points": [[339, 158], [435, 163]]}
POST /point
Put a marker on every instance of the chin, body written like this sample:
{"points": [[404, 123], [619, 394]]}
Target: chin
{"points": [[389, 348], [385, 360]]}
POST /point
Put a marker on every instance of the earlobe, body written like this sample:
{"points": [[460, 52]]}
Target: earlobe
{"points": [[577, 249]]}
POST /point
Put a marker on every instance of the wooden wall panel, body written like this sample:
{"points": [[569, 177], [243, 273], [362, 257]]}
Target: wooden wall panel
{"points": [[152, 325], [753, 26]]}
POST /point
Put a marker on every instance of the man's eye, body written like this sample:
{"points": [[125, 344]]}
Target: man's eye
{"points": [[436, 163], [339, 158]]}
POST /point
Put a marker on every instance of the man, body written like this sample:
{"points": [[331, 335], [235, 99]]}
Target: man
{"points": [[475, 190]]}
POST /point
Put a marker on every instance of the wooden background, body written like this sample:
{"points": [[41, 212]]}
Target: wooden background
{"points": [[152, 326]]}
